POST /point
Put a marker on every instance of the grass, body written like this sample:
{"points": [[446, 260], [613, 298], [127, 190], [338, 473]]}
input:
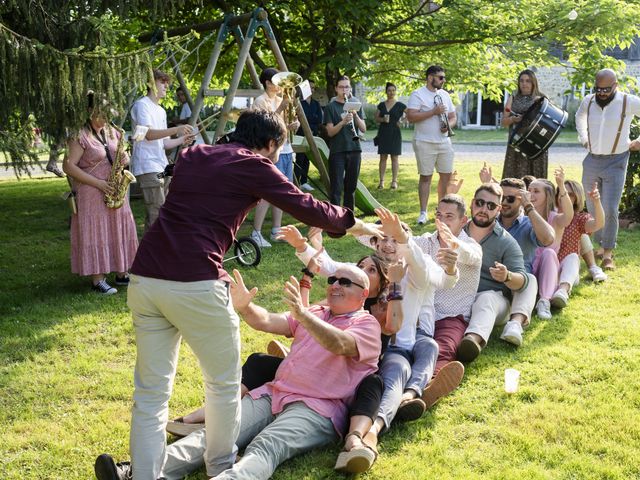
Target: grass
{"points": [[67, 357], [482, 136]]}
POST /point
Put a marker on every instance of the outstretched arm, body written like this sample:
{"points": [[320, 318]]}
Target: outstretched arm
{"points": [[256, 317]]}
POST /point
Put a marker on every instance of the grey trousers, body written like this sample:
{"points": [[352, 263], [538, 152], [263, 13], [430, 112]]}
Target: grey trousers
{"points": [[269, 440], [609, 172], [402, 370], [154, 191]]}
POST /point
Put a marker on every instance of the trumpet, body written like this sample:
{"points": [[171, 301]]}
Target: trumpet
{"points": [[444, 119], [288, 82], [352, 107]]}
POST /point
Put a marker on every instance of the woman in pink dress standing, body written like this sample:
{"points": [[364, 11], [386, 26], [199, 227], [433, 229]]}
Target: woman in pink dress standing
{"points": [[103, 240]]}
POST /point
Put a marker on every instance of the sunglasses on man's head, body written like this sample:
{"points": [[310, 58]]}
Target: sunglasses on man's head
{"points": [[508, 199], [345, 282], [602, 89], [479, 202]]}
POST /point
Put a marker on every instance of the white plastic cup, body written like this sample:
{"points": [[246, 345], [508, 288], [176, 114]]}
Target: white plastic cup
{"points": [[387, 118], [511, 379]]}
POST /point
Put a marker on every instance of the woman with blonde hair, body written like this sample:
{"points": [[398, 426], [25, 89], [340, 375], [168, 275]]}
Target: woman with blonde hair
{"points": [[545, 263], [570, 246]]}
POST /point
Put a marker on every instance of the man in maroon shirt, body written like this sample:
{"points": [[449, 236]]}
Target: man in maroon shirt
{"points": [[179, 287]]}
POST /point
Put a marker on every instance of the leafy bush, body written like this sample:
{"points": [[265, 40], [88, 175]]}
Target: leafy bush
{"points": [[630, 204]]}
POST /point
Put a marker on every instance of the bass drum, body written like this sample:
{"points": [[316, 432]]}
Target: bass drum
{"points": [[540, 126]]}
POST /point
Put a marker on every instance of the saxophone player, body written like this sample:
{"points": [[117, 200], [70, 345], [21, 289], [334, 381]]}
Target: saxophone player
{"points": [[103, 239], [434, 115], [344, 145]]}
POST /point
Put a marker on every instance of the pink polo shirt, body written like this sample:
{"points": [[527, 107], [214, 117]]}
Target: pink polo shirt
{"points": [[325, 382]]}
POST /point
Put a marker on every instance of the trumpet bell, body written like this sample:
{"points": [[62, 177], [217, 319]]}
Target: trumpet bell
{"points": [[286, 79]]}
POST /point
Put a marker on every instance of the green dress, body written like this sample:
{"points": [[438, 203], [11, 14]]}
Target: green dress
{"points": [[389, 136]]}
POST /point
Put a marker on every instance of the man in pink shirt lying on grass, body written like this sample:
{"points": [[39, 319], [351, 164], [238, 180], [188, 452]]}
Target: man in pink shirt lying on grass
{"points": [[306, 406]]}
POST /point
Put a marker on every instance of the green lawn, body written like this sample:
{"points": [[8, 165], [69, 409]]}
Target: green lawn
{"points": [[67, 357], [480, 136]]}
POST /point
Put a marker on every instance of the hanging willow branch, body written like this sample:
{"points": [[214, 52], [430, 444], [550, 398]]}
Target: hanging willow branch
{"points": [[51, 84]]}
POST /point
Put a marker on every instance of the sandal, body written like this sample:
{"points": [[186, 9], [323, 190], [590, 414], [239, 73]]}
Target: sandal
{"points": [[358, 459], [607, 264], [380, 185], [394, 185], [178, 428]]}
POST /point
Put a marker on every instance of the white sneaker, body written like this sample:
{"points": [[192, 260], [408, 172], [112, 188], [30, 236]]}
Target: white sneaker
{"points": [[560, 298], [257, 237], [512, 333], [597, 274], [274, 236], [306, 187], [543, 308], [422, 218]]}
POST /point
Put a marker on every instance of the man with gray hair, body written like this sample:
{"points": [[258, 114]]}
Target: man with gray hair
{"points": [[603, 123]]}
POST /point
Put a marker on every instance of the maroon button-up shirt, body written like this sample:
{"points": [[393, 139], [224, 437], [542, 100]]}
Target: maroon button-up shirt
{"points": [[211, 193]]}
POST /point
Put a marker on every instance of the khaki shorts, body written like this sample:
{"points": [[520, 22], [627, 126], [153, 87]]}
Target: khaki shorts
{"points": [[430, 155]]}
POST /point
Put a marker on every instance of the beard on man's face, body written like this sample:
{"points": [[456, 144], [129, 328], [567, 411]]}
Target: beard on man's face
{"points": [[482, 222], [603, 102]]}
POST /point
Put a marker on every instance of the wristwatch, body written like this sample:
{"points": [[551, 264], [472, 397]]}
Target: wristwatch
{"points": [[509, 277]]}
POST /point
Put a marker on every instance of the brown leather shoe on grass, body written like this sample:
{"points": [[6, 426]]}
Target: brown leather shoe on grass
{"points": [[445, 382]]}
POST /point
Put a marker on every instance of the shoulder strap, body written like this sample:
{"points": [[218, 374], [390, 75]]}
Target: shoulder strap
{"points": [[622, 117]]}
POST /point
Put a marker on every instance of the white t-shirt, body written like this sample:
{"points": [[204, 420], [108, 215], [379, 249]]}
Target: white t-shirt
{"points": [[264, 102], [428, 130], [148, 155], [185, 112]]}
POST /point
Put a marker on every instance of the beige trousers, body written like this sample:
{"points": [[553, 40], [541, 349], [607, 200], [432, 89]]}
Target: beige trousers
{"points": [[163, 312], [154, 190]]}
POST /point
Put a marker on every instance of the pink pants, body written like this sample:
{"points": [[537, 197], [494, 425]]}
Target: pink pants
{"points": [[546, 268]]}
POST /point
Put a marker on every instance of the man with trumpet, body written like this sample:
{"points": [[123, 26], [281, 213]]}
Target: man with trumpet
{"points": [[434, 115], [342, 127]]}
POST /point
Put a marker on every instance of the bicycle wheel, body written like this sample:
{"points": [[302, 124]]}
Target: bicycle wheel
{"points": [[247, 252]]}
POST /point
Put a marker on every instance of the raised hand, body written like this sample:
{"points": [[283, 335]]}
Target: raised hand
{"points": [[396, 272], [498, 272], [486, 175], [369, 229], [293, 298], [315, 262], [391, 225], [454, 184], [446, 236], [559, 176], [292, 236], [447, 258], [524, 196], [594, 194], [240, 295]]}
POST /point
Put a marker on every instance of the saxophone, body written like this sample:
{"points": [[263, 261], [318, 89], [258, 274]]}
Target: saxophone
{"points": [[119, 178]]}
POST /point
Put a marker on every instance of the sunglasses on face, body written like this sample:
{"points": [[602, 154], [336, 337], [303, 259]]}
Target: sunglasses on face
{"points": [[602, 89], [479, 202], [508, 199], [440, 77], [345, 282]]}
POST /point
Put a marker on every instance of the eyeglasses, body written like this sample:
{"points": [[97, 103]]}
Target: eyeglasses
{"points": [[345, 282], [479, 202], [602, 89], [508, 199], [441, 77]]}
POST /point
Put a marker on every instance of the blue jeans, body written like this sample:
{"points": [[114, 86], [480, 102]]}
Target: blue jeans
{"points": [[609, 172], [405, 370], [344, 170]]}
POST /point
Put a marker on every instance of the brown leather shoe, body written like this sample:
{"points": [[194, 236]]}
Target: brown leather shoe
{"points": [[445, 382], [410, 410], [469, 349]]}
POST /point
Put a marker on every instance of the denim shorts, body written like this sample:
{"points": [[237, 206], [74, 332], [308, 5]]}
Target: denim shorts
{"points": [[285, 165]]}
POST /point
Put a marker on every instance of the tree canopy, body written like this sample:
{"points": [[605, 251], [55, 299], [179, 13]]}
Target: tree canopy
{"points": [[52, 52]]}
